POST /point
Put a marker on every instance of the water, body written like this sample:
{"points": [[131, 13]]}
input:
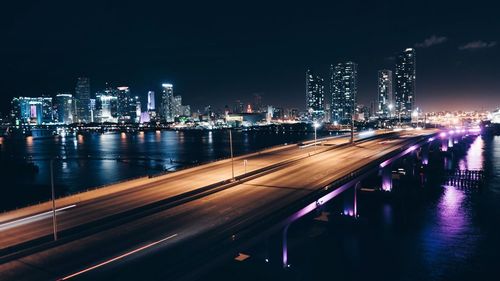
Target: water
{"points": [[430, 232], [92, 160]]}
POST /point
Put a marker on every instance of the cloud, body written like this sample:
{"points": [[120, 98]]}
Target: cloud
{"points": [[476, 45], [431, 41]]}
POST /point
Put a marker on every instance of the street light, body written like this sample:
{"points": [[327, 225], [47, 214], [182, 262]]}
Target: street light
{"points": [[54, 223], [316, 126], [231, 148], [414, 116], [391, 107]]}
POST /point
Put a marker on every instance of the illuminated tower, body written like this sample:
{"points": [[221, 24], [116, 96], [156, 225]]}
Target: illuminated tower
{"points": [[405, 83], [344, 89], [384, 93], [315, 96], [82, 100]]}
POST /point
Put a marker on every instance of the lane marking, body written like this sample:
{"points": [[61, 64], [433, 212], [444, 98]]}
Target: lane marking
{"points": [[117, 258], [33, 218]]}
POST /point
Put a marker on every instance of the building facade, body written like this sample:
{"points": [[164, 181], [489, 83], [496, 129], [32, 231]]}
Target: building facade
{"points": [[106, 106], [404, 98], [63, 104], [82, 100], [32, 111], [384, 94], [315, 96], [344, 90], [167, 106]]}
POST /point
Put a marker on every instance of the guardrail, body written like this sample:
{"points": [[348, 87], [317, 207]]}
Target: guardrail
{"points": [[156, 175]]}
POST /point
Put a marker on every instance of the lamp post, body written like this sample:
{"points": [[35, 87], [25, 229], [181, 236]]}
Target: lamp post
{"points": [[316, 126], [352, 128], [414, 116], [54, 223], [231, 149], [391, 107]]}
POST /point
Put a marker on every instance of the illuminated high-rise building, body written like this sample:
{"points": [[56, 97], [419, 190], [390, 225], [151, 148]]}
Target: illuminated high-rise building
{"points": [[106, 106], [63, 104], [124, 108], [177, 106], [82, 100], [343, 90], [315, 96], [151, 101], [32, 111], [167, 102], [404, 97], [384, 93], [47, 110]]}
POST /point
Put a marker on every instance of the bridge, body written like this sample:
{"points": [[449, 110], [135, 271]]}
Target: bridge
{"points": [[191, 218]]}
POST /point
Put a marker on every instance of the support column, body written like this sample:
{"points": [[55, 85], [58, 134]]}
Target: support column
{"points": [[444, 144], [285, 247], [350, 201], [356, 187], [386, 175], [425, 154]]}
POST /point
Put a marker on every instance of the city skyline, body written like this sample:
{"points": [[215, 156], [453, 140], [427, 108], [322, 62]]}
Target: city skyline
{"points": [[248, 140], [455, 60]]}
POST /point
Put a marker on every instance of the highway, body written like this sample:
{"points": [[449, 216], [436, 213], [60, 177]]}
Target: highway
{"points": [[35, 222], [201, 223]]}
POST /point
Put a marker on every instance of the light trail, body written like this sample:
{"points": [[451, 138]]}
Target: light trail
{"points": [[117, 258], [33, 218]]}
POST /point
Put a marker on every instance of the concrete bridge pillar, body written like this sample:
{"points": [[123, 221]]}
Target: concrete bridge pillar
{"points": [[444, 144], [284, 251], [425, 154], [351, 201], [386, 176]]}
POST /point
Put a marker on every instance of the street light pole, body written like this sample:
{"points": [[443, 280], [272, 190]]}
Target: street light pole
{"points": [[315, 136], [352, 128], [231, 148], [54, 222], [316, 126]]}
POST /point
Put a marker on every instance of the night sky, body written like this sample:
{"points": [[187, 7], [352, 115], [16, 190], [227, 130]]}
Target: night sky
{"points": [[215, 52]]}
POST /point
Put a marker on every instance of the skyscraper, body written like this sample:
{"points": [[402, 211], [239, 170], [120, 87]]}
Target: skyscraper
{"points": [[106, 106], [167, 100], [47, 110], [134, 109], [32, 111], [151, 101], [343, 89], [64, 108], [176, 106], [384, 93], [315, 96], [124, 107], [405, 83], [82, 100]]}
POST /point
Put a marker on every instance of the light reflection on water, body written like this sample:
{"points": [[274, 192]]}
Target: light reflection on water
{"points": [[430, 234], [96, 159], [451, 237], [475, 157]]}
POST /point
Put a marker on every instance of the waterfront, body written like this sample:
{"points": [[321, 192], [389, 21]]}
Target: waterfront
{"points": [[92, 160], [431, 232]]}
